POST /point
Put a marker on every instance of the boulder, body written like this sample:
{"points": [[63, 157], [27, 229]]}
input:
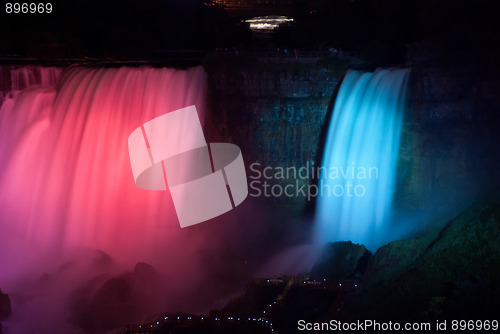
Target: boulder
{"points": [[107, 302], [341, 260], [5, 309], [449, 272]]}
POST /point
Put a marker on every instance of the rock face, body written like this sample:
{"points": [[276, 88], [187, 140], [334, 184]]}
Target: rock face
{"points": [[340, 261], [450, 272], [275, 111], [105, 302], [448, 143], [5, 309]]}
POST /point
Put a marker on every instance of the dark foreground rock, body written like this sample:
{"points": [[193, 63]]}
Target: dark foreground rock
{"points": [[449, 272], [340, 261], [5, 309], [107, 302]]}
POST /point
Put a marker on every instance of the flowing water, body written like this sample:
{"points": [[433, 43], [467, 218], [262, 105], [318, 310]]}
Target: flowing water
{"points": [[360, 157], [66, 181], [65, 175]]}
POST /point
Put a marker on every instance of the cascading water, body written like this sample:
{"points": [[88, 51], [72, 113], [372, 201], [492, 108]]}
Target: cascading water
{"points": [[67, 189], [65, 177], [359, 162]]}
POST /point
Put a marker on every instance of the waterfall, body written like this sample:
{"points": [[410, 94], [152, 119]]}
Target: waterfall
{"points": [[359, 162], [65, 175]]}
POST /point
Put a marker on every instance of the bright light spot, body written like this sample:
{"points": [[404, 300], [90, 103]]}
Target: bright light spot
{"points": [[263, 23]]}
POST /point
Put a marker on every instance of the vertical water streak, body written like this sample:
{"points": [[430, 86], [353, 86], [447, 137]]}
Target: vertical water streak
{"points": [[65, 177], [359, 162]]}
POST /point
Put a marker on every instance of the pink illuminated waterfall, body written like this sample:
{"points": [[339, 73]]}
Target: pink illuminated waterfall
{"points": [[65, 175]]}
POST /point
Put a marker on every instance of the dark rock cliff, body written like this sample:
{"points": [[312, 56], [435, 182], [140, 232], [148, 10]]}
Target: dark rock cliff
{"points": [[274, 110], [451, 271], [5, 308]]}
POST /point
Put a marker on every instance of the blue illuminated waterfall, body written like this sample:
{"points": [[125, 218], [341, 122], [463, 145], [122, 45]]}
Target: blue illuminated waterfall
{"points": [[358, 172]]}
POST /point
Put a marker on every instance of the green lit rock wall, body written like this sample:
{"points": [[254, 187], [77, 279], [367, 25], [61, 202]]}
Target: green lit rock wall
{"points": [[274, 110]]}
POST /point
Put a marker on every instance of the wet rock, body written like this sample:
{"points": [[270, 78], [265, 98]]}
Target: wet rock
{"points": [[451, 271], [5, 309], [341, 260], [106, 302]]}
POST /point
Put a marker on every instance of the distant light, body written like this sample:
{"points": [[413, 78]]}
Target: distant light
{"points": [[263, 23], [157, 322], [165, 318], [355, 285], [178, 318], [340, 284]]}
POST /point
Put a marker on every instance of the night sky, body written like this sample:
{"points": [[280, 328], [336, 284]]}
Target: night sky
{"points": [[380, 30]]}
